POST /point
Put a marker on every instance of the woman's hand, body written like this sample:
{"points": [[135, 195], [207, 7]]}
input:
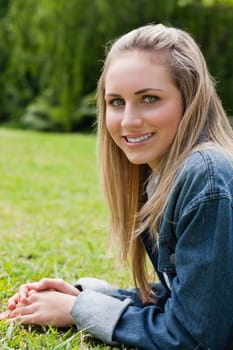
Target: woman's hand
{"points": [[45, 284], [43, 308]]}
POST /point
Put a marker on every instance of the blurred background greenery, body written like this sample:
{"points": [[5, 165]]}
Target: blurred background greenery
{"points": [[51, 53]]}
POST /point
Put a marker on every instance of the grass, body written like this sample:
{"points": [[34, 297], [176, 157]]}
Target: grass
{"points": [[53, 223]]}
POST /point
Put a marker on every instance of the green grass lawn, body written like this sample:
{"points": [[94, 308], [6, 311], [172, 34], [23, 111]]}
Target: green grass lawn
{"points": [[53, 223]]}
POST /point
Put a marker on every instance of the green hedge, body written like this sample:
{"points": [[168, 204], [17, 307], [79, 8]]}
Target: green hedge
{"points": [[212, 27], [51, 53]]}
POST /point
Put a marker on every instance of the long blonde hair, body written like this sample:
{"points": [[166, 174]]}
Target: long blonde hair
{"points": [[124, 182]]}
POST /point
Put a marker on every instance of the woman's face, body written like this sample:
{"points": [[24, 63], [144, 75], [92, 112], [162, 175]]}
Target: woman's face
{"points": [[143, 106]]}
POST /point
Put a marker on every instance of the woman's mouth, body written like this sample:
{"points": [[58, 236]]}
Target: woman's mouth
{"points": [[139, 138]]}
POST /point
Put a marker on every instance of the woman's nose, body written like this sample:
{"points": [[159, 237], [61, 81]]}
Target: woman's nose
{"points": [[131, 118]]}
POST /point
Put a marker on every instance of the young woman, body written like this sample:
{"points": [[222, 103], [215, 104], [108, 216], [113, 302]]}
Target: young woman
{"points": [[166, 156]]}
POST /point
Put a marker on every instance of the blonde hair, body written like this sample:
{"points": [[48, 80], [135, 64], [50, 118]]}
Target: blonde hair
{"points": [[124, 182]]}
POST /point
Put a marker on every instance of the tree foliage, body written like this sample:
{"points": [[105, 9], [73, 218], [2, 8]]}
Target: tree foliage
{"points": [[212, 28], [47, 55], [51, 52]]}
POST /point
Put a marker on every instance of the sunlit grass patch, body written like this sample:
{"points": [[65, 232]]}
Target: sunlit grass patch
{"points": [[53, 223]]}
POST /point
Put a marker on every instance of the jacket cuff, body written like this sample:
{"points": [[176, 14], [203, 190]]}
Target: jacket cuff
{"points": [[98, 314], [95, 284]]}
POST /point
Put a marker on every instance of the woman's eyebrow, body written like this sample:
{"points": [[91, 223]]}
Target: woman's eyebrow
{"points": [[138, 92], [146, 90], [112, 94]]}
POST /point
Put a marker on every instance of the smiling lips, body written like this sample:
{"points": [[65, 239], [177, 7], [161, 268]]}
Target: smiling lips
{"points": [[138, 139]]}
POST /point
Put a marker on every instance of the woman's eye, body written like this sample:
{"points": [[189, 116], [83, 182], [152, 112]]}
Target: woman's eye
{"points": [[117, 102], [150, 99]]}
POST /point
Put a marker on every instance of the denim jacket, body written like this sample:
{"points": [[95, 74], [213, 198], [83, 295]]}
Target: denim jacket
{"points": [[194, 261]]}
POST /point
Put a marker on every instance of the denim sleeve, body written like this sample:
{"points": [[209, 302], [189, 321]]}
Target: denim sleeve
{"points": [[199, 313], [98, 312]]}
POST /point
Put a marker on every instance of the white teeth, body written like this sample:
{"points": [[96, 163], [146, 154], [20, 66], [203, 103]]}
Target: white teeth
{"points": [[138, 139]]}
